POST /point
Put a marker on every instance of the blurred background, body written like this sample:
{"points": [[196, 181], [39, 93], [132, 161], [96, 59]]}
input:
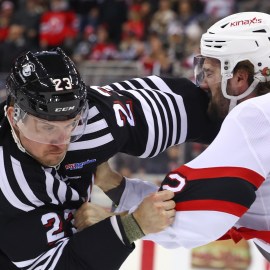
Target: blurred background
{"points": [[113, 40]]}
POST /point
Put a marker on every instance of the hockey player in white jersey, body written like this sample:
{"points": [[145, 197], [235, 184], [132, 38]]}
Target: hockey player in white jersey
{"points": [[225, 192]]}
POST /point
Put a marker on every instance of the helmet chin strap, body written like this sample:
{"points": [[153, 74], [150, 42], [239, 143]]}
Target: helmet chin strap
{"points": [[19, 144], [234, 99]]}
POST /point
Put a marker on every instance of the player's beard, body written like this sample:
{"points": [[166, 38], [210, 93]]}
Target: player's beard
{"points": [[218, 107]]}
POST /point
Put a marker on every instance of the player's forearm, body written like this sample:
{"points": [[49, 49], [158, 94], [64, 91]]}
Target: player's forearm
{"points": [[110, 182], [116, 193], [155, 213], [124, 192], [127, 228]]}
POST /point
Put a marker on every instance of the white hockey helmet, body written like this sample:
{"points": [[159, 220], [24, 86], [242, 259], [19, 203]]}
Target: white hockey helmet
{"points": [[238, 37]]}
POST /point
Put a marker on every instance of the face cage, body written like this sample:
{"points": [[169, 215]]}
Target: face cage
{"points": [[50, 132]]}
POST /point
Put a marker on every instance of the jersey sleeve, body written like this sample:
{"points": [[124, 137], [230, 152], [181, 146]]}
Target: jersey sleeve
{"points": [[148, 115], [215, 190], [190, 111], [135, 191]]}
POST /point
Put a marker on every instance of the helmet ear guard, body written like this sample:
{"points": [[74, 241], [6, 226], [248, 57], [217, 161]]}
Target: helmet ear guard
{"points": [[16, 114]]}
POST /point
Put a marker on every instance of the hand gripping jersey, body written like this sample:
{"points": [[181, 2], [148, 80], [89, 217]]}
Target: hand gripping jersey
{"points": [[141, 117], [225, 192]]}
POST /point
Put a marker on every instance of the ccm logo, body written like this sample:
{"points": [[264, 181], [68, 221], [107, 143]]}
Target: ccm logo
{"points": [[65, 109]]}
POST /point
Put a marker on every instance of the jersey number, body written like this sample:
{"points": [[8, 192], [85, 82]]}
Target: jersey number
{"points": [[124, 114], [53, 221], [178, 182]]}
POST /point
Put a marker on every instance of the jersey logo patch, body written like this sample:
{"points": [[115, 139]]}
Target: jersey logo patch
{"points": [[28, 69], [79, 165]]}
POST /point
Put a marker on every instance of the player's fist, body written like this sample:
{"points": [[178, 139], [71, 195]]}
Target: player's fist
{"points": [[156, 212], [89, 214]]}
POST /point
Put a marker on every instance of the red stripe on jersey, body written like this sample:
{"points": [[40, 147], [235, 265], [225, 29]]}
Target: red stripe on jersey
{"points": [[217, 172], [239, 233], [212, 205]]}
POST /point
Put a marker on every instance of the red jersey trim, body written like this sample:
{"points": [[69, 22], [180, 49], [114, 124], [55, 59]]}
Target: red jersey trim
{"points": [[246, 233], [217, 172], [212, 205]]}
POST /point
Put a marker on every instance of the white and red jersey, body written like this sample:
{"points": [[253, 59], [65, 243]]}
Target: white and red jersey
{"points": [[225, 192]]}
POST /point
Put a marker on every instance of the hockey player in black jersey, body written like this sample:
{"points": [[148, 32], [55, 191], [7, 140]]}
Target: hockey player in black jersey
{"points": [[55, 138]]}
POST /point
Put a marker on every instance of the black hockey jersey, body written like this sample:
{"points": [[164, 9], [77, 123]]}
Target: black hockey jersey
{"points": [[141, 117]]}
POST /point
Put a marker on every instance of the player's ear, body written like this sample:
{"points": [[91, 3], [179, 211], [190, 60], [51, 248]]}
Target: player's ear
{"points": [[242, 76], [240, 81], [10, 115]]}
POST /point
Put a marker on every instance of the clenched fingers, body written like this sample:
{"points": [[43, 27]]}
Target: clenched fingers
{"points": [[156, 212], [164, 195], [89, 214]]}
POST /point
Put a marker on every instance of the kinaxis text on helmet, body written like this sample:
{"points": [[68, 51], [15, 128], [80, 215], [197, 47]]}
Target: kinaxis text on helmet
{"points": [[246, 22], [65, 109]]}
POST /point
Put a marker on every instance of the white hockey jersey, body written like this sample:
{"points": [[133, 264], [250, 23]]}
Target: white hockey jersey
{"points": [[225, 191]]}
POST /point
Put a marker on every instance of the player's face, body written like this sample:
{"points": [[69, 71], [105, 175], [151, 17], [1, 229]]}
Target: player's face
{"points": [[49, 151], [46, 154], [218, 105]]}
